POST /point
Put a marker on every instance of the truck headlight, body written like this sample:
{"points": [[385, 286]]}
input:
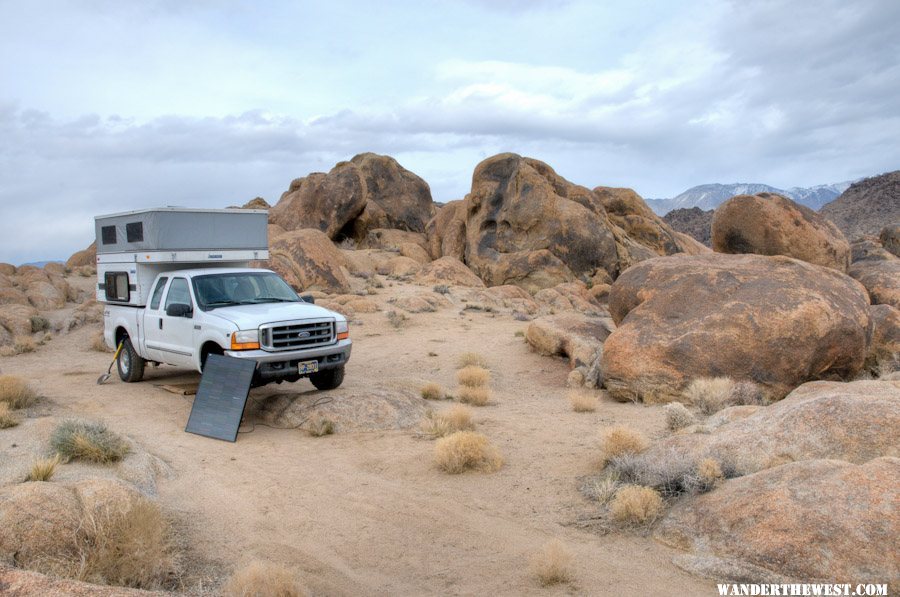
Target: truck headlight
{"points": [[342, 328], [245, 340]]}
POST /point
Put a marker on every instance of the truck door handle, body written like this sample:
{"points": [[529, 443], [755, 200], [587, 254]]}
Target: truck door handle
{"points": [[160, 323]]}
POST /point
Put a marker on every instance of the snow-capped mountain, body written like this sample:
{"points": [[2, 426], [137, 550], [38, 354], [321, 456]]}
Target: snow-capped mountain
{"points": [[710, 196]]}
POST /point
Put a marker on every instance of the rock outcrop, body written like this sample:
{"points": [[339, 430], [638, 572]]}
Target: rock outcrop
{"points": [[450, 271], [368, 192], [865, 207], [890, 239], [776, 321], [878, 270], [769, 224], [308, 260], [446, 231], [818, 519], [884, 351], [84, 257], [577, 337], [694, 222]]}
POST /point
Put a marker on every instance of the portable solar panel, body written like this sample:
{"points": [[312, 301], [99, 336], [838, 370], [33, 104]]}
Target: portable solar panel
{"points": [[221, 397]]}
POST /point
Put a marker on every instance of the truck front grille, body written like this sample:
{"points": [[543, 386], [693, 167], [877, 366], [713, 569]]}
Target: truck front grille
{"points": [[297, 335]]}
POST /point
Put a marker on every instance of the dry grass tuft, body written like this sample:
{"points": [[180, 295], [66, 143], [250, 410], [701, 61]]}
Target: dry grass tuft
{"points": [[710, 394], [678, 416], [82, 440], [397, 319], [583, 401], [471, 359], [603, 489], [262, 579], [320, 426], [708, 474], [466, 450], [98, 343], [636, 505], [43, 469], [15, 393], [7, 419], [621, 440], [456, 418], [130, 545], [473, 376], [553, 564], [432, 391], [474, 396]]}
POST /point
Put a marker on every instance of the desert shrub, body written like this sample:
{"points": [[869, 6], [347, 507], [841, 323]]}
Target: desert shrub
{"points": [[471, 359], [519, 334], [348, 244], [474, 396], [83, 440], [473, 376], [7, 419], [673, 472], [707, 475], [747, 392], [636, 505], [320, 426], [442, 289], [466, 450], [20, 345], [456, 418], [396, 318], [262, 579], [43, 469], [432, 391], [678, 416], [583, 401], [39, 324], [129, 545], [710, 394], [553, 564], [521, 316], [621, 440], [98, 343], [602, 489], [15, 392]]}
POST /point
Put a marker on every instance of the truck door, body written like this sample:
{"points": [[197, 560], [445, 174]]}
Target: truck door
{"points": [[174, 333], [153, 322]]}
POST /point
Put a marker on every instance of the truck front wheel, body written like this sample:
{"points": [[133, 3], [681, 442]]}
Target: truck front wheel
{"points": [[130, 363], [328, 379]]}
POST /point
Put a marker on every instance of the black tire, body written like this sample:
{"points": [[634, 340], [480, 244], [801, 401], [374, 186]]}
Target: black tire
{"points": [[328, 379], [129, 364]]}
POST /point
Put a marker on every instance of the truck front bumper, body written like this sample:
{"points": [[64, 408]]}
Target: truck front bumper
{"points": [[277, 366]]}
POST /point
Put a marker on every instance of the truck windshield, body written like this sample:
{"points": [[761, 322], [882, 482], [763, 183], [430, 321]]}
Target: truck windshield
{"points": [[241, 288]]}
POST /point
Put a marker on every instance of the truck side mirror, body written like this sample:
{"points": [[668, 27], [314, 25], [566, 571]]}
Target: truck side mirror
{"points": [[179, 310], [308, 298]]}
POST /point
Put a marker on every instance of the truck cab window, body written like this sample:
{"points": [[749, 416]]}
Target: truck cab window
{"points": [[178, 293], [157, 293]]}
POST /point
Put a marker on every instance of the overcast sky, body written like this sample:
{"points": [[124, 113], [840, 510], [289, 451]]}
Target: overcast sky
{"points": [[109, 105]]}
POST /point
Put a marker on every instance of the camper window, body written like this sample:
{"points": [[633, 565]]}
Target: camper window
{"points": [[134, 232], [108, 235], [116, 286]]}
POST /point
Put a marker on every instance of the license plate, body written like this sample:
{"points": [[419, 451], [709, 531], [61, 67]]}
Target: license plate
{"points": [[308, 367]]}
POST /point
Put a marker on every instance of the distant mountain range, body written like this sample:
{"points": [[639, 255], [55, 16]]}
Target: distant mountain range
{"points": [[710, 196]]}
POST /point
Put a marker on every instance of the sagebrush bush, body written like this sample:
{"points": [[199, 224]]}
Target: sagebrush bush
{"points": [[39, 324], [43, 469], [15, 393], [474, 396], [471, 359], [710, 394], [678, 416], [130, 545], [7, 419], [553, 564], [621, 440], [583, 401], [473, 376], [466, 450], [20, 345], [320, 426], [456, 418], [442, 289], [396, 318], [262, 579], [83, 440], [636, 505], [708, 474], [432, 391], [671, 472], [747, 393]]}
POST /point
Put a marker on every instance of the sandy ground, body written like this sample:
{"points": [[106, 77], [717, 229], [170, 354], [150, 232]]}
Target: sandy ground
{"points": [[366, 512]]}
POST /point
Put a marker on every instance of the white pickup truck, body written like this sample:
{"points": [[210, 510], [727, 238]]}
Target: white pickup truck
{"points": [[176, 288], [239, 312]]}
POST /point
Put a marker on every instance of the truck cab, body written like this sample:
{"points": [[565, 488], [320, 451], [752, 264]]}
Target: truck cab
{"points": [[176, 289]]}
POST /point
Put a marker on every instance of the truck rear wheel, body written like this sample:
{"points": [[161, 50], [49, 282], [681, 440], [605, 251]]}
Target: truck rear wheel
{"points": [[130, 364], [328, 379]]}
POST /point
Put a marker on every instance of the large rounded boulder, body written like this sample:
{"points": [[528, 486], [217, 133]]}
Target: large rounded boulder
{"points": [[446, 231], [769, 224], [878, 270], [528, 226], [87, 256], [308, 260], [775, 321]]}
